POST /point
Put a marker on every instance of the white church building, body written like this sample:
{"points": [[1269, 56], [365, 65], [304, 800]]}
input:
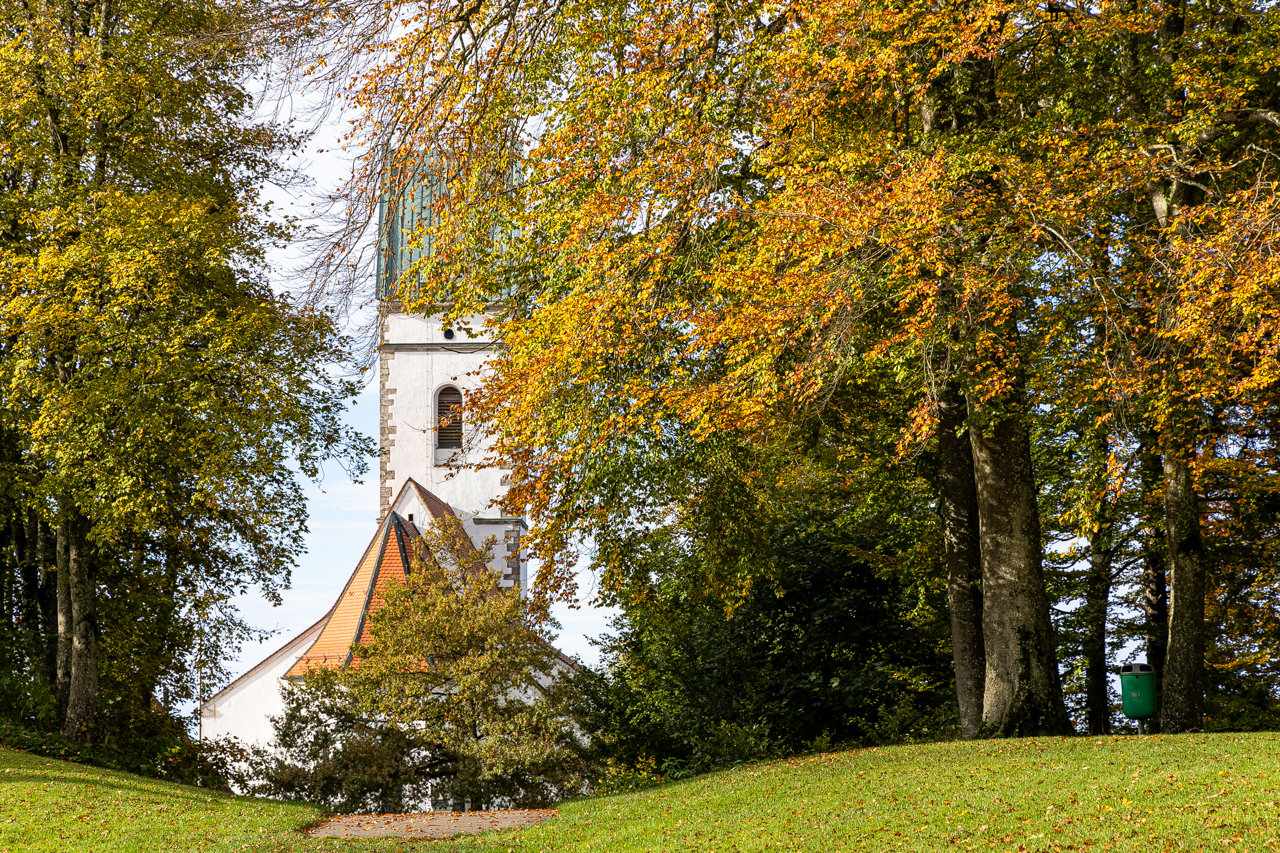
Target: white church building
{"points": [[427, 469]]}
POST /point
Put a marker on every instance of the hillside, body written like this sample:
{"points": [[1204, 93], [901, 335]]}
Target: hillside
{"points": [[1199, 792]]}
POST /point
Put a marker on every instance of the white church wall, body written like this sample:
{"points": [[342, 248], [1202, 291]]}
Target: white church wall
{"points": [[242, 708], [509, 556]]}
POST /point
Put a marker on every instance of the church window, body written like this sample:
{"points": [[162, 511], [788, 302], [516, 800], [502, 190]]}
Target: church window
{"points": [[449, 418]]}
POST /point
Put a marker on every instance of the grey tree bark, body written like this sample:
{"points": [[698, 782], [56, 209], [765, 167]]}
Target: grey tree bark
{"points": [[82, 697], [1096, 600], [49, 607], [1155, 594], [958, 506], [1023, 694], [1182, 705]]}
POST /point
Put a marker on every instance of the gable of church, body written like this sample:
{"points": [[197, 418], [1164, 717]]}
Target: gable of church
{"points": [[385, 563]]}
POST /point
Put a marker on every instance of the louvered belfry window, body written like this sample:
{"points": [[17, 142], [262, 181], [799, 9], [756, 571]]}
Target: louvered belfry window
{"points": [[449, 418]]}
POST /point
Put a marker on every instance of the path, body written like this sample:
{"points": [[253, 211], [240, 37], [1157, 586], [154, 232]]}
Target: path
{"points": [[427, 824]]}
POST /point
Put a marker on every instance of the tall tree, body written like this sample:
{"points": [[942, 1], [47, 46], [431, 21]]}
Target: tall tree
{"points": [[154, 380], [727, 209]]}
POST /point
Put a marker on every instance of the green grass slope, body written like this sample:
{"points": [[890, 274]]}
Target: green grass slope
{"points": [[1201, 792], [49, 805]]}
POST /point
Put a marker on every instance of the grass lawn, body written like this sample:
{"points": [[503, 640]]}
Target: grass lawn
{"points": [[1198, 792]]}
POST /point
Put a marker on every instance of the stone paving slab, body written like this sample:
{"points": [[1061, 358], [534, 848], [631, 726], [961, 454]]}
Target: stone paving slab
{"points": [[427, 824]]}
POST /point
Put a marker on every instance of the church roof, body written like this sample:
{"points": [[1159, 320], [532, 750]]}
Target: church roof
{"points": [[433, 505], [385, 563]]}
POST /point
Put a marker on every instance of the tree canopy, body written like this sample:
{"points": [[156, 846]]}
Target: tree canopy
{"points": [[457, 698], [1049, 227], [158, 400]]}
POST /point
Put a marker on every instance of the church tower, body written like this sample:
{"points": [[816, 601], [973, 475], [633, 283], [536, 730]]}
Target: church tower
{"points": [[425, 372]]}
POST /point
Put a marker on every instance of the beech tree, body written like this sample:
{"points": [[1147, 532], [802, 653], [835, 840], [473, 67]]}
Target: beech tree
{"points": [[722, 211]]}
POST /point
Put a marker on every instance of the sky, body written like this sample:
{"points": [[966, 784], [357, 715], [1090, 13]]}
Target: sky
{"points": [[343, 515]]}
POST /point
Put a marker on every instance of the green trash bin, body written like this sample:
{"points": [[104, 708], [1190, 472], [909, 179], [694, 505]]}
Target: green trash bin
{"points": [[1138, 691]]}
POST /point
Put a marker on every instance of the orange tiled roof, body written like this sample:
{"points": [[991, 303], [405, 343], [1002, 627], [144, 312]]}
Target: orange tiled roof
{"points": [[385, 563]]}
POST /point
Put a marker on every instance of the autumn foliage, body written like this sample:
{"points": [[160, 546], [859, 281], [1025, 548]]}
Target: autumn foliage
{"points": [[1046, 230], [157, 398]]}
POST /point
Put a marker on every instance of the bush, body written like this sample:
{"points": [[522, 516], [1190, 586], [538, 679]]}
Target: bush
{"points": [[457, 698], [45, 743], [156, 745], [830, 653]]}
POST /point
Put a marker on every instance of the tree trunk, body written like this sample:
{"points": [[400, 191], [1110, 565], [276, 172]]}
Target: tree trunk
{"points": [[16, 581], [1023, 694], [1096, 599], [48, 608], [1182, 708], [1155, 597], [8, 569], [958, 506], [65, 620], [82, 698]]}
